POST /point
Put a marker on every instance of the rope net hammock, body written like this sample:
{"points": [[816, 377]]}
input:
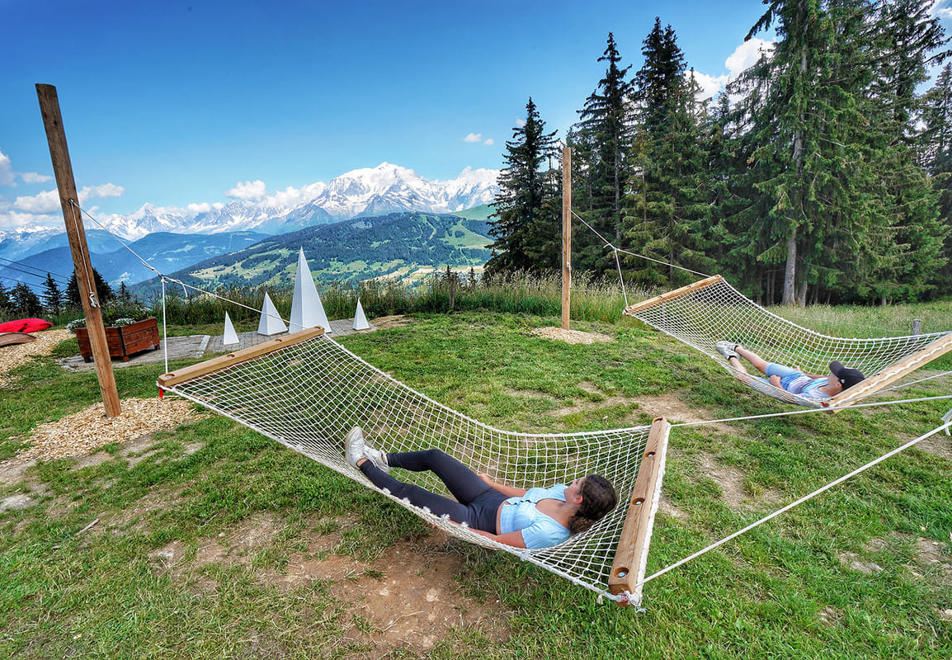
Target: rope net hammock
{"points": [[711, 310], [306, 391]]}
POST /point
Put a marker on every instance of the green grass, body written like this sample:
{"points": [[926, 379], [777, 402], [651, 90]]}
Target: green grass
{"points": [[785, 589]]}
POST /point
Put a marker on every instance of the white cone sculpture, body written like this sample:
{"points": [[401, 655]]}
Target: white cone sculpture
{"points": [[271, 323], [360, 319], [230, 337], [306, 308]]}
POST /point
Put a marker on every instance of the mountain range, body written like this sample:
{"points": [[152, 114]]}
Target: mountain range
{"points": [[176, 238], [375, 191], [401, 246]]}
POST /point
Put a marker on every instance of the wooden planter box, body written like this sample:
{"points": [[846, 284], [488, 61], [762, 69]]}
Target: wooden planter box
{"points": [[124, 341]]}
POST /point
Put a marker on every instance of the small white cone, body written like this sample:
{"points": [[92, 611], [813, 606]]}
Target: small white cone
{"points": [[306, 308], [271, 323], [230, 336], [360, 320]]}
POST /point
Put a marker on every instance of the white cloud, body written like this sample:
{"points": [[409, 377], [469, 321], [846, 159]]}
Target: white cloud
{"points": [[202, 207], [248, 191], [489, 142], [710, 85], [105, 190], [747, 54], [942, 9], [743, 57], [521, 123], [44, 202], [6, 170], [48, 201], [473, 137], [33, 177]]}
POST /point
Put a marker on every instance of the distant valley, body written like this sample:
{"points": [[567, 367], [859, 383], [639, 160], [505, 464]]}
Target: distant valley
{"points": [[401, 246]]}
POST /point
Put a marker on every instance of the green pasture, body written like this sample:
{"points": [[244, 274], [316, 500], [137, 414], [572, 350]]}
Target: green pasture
{"points": [[863, 570]]}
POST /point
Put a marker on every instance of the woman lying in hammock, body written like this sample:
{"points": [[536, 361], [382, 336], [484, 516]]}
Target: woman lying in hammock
{"points": [[534, 518], [792, 379]]}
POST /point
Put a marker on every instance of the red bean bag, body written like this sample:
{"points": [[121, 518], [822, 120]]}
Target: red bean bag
{"points": [[25, 325]]}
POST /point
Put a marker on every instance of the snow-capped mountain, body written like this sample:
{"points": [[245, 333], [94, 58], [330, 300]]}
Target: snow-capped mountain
{"points": [[386, 188]]}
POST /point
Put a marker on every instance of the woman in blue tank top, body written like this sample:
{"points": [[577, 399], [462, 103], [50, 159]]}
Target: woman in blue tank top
{"points": [[533, 518]]}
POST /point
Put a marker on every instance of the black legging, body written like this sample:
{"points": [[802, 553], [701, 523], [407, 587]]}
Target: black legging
{"points": [[477, 502]]}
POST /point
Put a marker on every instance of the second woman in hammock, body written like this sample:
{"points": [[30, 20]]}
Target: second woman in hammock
{"points": [[791, 379], [534, 518]]}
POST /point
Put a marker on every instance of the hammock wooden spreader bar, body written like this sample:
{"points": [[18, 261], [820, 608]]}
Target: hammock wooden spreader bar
{"points": [[892, 373], [231, 359], [631, 555], [632, 310]]}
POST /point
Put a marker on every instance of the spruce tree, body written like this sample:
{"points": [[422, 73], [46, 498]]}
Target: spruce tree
{"points": [[52, 296], [605, 126], [935, 155], [669, 199], [25, 303], [522, 214], [103, 290]]}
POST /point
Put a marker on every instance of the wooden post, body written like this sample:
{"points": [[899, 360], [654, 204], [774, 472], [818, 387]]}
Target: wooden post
{"points": [[69, 200], [566, 235]]}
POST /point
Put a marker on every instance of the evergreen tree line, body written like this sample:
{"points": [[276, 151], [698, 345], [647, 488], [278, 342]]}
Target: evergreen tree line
{"points": [[20, 301], [822, 174]]}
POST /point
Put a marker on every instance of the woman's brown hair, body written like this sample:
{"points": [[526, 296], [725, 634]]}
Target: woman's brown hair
{"points": [[598, 498]]}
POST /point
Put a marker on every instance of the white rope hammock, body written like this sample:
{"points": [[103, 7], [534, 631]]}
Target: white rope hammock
{"points": [[311, 392], [711, 310]]}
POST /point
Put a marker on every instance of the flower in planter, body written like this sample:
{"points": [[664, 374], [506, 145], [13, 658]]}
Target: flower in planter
{"points": [[76, 323]]}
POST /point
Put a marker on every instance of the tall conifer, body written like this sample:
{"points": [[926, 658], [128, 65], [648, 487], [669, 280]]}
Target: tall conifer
{"points": [[522, 215]]}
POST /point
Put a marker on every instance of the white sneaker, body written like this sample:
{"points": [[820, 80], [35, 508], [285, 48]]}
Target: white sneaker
{"points": [[726, 348], [354, 445], [377, 457]]}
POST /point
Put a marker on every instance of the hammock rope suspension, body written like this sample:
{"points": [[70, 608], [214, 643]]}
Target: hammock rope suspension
{"points": [[306, 391], [711, 310]]}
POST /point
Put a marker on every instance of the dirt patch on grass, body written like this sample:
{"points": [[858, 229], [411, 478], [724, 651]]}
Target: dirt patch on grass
{"points": [[385, 322], [937, 445], [571, 336], [406, 599]]}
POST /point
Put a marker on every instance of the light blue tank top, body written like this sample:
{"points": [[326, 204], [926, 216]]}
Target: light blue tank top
{"points": [[538, 529]]}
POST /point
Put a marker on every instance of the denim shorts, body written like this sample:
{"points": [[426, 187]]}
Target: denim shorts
{"points": [[787, 374]]}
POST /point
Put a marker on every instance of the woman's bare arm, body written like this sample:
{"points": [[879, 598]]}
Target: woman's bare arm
{"points": [[509, 538], [508, 491]]}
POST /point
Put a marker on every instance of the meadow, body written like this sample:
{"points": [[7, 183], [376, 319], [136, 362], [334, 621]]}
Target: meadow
{"points": [[213, 541]]}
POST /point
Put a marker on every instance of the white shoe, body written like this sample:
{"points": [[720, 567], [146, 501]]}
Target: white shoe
{"points": [[354, 445], [726, 348], [357, 449]]}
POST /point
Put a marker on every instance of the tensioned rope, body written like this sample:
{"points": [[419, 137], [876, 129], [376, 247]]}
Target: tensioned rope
{"points": [[809, 496]]}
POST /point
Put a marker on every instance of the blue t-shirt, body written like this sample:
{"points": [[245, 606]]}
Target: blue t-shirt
{"points": [[538, 529]]}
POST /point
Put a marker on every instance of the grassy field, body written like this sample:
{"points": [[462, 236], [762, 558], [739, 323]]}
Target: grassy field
{"points": [[214, 541]]}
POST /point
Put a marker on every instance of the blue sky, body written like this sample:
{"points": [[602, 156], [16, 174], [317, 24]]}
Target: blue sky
{"points": [[174, 102]]}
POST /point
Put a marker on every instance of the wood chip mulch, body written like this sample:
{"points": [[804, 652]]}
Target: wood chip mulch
{"points": [[571, 336], [89, 429], [13, 356]]}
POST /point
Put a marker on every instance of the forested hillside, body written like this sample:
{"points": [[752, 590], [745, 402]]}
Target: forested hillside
{"points": [[399, 245], [823, 173]]}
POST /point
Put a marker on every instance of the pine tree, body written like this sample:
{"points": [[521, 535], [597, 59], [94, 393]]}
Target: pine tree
{"points": [[25, 303], [4, 299], [605, 128], [812, 203], [103, 290], [52, 296], [669, 202], [935, 155], [522, 215]]}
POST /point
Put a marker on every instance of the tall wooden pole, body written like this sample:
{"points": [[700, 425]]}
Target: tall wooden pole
{"points": [[566, 235], [69, 200]]}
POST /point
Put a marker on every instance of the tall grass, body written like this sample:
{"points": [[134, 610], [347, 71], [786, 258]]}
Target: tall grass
{"points": [[592, 299]]}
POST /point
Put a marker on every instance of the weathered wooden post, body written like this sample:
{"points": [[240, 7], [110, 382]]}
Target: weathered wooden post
{"points": [[85, 282], [566, 235]]}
